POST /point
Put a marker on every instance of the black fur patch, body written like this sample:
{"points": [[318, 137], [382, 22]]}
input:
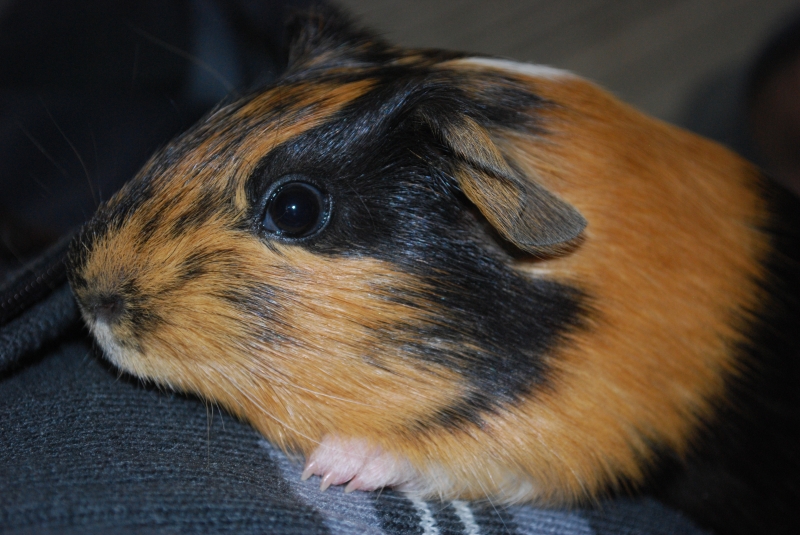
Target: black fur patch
{"points": [[139, 311], [208, 203], [394, 198]]}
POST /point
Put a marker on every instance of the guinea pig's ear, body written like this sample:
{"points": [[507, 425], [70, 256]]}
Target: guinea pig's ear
{"points": [[323, 35], [523, 211]]}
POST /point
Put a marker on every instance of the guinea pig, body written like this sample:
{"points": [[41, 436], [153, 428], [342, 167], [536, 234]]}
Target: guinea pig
{"points": [[464, 277]]}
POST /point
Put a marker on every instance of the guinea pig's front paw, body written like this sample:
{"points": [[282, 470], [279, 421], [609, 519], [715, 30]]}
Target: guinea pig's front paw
{"points": [[359, 464]]}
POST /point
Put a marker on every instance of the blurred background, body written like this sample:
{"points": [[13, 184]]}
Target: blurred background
{"points": [[90, 88], [651, 53]]}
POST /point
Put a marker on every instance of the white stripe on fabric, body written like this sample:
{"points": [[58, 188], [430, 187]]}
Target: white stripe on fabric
{"points": [[465, 515], [427, 521]]}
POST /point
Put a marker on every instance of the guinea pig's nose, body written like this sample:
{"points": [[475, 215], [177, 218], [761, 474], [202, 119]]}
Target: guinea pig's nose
{"points": [[107, 308]]}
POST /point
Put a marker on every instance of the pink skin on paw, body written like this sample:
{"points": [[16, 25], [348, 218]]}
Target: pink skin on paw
{"points": [[364, 466]]}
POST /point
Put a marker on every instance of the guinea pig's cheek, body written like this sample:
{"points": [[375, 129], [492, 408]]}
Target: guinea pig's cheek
{"points": [[337, 349]]}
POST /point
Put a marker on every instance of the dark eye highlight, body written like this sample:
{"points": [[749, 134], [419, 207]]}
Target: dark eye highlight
{"points": [[295, 210]]}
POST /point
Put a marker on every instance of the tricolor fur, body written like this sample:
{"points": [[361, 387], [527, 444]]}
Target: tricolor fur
{"points": [[526, 290]]}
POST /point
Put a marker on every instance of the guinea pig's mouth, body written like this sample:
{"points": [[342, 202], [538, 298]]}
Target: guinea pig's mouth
{"points": [[104, 314]]}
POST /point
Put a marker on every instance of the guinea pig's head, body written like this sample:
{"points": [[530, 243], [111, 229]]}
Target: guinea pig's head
{"points": [[335, 251]]}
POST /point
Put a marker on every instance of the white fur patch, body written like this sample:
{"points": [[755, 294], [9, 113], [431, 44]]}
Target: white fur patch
{"points": [[108, 342], [527, 69]]}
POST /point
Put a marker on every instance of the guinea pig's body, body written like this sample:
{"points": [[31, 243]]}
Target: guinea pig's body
{"points": [[464, 277]]}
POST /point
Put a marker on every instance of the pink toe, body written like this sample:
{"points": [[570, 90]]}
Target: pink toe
{"points": [[365, 467]]}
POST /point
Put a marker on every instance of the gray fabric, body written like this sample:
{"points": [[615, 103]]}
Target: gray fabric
{"points": [[86, 450], [43, 323]]}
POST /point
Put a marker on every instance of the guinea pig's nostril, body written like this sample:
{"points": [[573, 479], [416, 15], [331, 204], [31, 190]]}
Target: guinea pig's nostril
{"points": [[108, 308]]}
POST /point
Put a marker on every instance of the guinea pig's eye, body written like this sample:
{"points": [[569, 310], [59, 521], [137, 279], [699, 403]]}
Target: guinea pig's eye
{"points": [[295, 210]]}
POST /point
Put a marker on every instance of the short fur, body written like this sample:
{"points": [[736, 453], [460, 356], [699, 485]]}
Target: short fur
{"points": [[526, 290]]}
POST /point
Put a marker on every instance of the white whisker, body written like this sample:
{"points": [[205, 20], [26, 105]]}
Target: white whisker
{"points": [[229, 87]]}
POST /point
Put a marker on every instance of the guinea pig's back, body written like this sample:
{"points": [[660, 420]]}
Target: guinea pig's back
{"points": [[691, 260]]}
